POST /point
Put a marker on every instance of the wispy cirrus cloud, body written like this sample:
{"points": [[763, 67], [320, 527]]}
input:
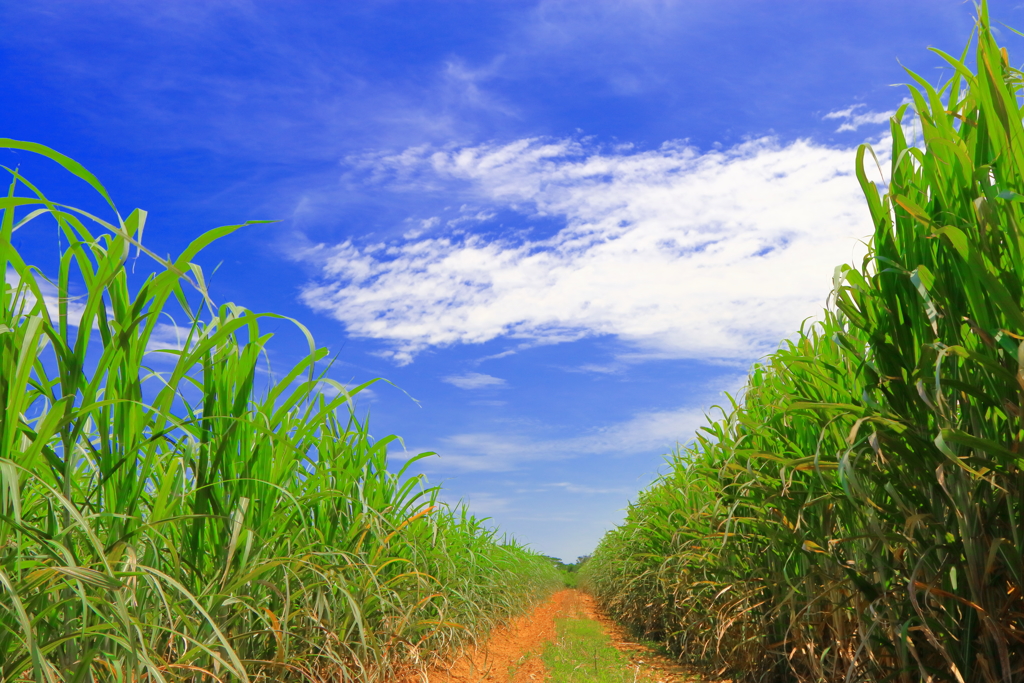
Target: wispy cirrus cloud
{"points": [[853, 118], [684, 254], [658, 430], [570, 487], [473, 380]]}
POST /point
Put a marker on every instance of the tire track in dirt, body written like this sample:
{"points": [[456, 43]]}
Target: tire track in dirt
{"points": [[511, 654]]}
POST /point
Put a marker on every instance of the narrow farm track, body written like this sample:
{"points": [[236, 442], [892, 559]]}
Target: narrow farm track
{"points": [[512, 653]]}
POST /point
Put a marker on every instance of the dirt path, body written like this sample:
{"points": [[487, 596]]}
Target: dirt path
{"points": [[653, 667], [514, 647], [512, 653]]}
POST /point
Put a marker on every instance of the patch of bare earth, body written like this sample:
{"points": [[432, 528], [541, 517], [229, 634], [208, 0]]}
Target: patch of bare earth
{"points": [[512, 653]]}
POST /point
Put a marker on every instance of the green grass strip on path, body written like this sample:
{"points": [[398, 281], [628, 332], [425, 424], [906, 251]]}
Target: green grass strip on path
{"points": [[583, 652]]}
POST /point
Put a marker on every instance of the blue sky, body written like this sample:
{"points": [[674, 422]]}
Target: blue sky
{"points": [[565, 228]]}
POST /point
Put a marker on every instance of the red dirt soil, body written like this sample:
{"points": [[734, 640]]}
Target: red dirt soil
{"points": [[512, 653], [515, 647]]}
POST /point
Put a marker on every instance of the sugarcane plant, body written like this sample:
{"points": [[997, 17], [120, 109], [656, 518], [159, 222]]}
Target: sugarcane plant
{"points": [[171, 508], [857, 515]]}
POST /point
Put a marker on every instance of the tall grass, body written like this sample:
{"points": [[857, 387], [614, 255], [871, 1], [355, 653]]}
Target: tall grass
{"points": [[858, 516], [170, 512]]}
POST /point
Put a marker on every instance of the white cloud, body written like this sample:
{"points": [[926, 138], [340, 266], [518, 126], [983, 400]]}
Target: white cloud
{"points": [[681, 254], [463, 86], [569, 487], [75, 306], [331, 390], [478, 217], [493, 452], [424, 226], [474, 380], [614, 368], [487, 504], [167, 337], [854, 120]]}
